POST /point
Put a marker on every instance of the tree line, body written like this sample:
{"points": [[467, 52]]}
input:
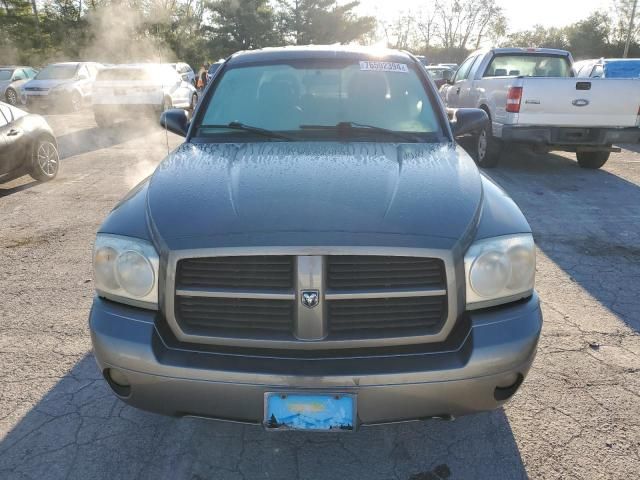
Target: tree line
{"points": [[39, 31]]}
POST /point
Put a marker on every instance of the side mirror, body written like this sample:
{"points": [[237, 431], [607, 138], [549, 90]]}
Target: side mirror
{"points": [[467, 120], [176, 121]]}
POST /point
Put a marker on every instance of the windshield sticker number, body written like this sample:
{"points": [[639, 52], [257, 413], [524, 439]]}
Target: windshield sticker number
{"points": [[384, 67]]}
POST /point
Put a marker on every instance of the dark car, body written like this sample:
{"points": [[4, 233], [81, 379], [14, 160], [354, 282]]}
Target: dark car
{"points": [[27, 145], [440, 75], [213, 69], [319, 254]]}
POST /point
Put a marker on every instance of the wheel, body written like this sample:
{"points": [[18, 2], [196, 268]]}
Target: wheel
{"points": [[103, 120], [592, 160], [45, 160], [75, 102], [486, 149], [12, 96]]}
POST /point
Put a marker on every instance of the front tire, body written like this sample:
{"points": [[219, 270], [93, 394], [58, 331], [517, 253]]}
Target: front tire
{"points": [[486, 148], [45, 160], [12, 96], [592, 160]]}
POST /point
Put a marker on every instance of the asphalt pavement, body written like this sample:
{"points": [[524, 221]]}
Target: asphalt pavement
{"points": [[576, 416]]}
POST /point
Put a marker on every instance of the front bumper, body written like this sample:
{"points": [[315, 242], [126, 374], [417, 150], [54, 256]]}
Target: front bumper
{"points": [[568, 138], [496, 350]]}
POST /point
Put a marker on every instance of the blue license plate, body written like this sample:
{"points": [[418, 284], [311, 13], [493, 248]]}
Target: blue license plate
{"points": [[325, 412]]}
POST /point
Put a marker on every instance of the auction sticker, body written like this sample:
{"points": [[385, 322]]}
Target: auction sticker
{"points": [[383, 66]]}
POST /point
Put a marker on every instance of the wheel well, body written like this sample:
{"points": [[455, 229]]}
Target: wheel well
{"points": [[486, 109]]}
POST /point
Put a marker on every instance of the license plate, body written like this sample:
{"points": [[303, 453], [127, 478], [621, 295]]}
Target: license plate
{"points": [[322, 412]]}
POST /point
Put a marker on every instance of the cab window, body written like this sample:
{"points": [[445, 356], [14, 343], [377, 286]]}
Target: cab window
{"points": [[465, 68]]}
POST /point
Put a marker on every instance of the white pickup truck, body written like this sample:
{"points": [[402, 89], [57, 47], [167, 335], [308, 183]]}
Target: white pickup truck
{"points": [[532, 97]]}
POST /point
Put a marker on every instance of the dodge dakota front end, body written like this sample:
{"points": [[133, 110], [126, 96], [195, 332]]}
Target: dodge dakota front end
{"points": [[318, 254]]}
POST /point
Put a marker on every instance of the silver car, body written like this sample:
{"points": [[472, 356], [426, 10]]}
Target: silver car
{"points": [[318, 255], [12, 77]]}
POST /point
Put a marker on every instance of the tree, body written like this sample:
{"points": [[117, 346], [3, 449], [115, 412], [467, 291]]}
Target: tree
{"points": [[321, 21], [243, 24], [467, 22]]}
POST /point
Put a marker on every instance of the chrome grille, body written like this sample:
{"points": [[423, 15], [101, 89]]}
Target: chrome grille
{"points": [[232, 300]]}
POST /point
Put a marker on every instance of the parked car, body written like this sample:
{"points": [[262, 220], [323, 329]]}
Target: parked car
{"points": [[608, 68], [452, 66], [213, 69], [186, 72], [123, 91], [11, 80], [318, 254], [423, 60], [61, 86], [532, 98], [440, 75], [27, 145]]}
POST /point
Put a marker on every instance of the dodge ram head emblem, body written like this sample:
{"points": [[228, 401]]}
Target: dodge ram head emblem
{"points": [[310, 298]]}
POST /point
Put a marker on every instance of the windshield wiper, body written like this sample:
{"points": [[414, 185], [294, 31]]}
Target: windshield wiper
{"points": [[248, 128], [354, 126]]}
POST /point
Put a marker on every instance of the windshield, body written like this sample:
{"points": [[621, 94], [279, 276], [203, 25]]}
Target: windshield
{"points": [[57, 72], [5, 74], [529, 66], [297, 97]]}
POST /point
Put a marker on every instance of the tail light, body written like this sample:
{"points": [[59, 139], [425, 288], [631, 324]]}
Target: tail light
{"points": [[514, 97]]}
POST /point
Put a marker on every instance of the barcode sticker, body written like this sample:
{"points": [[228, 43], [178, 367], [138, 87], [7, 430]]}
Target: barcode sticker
{"points": [[383, 66]]}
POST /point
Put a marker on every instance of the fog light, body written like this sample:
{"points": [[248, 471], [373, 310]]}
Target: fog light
{"points": [[118, 377], [118, 382]]}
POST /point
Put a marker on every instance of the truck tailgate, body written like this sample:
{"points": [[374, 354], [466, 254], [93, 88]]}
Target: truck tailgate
{"points": [[580, 102]]}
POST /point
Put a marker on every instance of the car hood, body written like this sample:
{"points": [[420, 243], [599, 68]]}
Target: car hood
{"points": [[202, 191], [46, 83]]}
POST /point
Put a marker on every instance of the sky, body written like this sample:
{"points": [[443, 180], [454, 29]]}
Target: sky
{"points": [[521, 14]]}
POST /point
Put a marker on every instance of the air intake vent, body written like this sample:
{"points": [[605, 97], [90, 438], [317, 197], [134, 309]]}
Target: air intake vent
{"points": [[264, 272], [233, 317], [387, 317], [362, 272]]}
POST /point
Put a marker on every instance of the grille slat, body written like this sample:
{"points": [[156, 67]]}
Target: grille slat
{"points": [[234, 317], [356, 272], [252, 272], [390, 316]]}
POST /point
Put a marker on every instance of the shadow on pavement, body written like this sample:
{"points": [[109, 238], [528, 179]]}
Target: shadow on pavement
{"points": [[96, 138], [580, 224], [79, 430], [5, 191]]}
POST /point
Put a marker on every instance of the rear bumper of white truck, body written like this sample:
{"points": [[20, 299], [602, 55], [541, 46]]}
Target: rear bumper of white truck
{"points": [[570, 138]]}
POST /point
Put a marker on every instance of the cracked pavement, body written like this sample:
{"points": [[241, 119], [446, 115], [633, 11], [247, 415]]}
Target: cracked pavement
{"points": [[576, 416]]}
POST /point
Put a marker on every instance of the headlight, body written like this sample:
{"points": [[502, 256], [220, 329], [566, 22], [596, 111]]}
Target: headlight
{"points": [[499, 270], [126, 270]]}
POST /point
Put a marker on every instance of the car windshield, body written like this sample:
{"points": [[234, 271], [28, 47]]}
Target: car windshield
{"points": [[437, 73], [308, 98], [57, 72], [529, 65], [5, 74]]}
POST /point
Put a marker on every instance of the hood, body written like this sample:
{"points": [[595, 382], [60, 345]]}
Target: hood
{"points": [[206, 190], [46, 83]]}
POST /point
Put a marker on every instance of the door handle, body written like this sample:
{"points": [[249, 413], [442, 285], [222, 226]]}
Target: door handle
{"points": [[13, 132]]}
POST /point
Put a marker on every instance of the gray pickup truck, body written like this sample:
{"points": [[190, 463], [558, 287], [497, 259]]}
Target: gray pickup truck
{"points": [[317, 255]]}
